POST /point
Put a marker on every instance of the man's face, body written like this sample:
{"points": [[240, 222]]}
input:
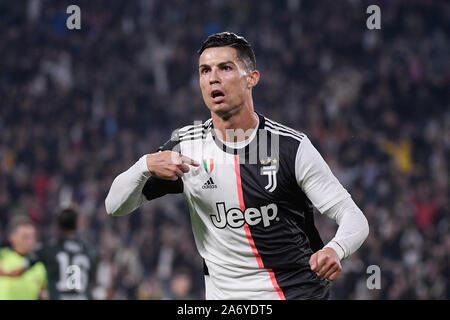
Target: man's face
{"points": [[224, 80], [23, 239]]}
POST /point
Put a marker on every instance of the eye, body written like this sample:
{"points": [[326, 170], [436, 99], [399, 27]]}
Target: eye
{"points": [[204, 70], [227, 68]]}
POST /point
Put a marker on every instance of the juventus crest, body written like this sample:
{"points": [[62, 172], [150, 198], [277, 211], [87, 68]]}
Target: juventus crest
{"points": [[269, 169]]}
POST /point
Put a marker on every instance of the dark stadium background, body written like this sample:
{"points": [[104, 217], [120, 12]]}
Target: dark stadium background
{"points": [[79, 107]]}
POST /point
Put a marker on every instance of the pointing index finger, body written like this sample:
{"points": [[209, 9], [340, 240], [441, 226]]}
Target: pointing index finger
{"points": [[188, 160]]}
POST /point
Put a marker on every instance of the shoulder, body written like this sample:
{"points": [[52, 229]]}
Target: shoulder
{"points": [[196, 131], [288, 139], [284, 132], [38, 267], [4, 251]]}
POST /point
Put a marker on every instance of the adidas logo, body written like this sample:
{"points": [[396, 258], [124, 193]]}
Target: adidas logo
{"points": [[209, 184]]}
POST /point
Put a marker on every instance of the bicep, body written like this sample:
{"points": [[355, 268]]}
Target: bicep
{"points": [[316, 179]]}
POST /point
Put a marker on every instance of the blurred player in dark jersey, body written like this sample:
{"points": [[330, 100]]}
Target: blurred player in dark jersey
{"points": [[251, 184], [70, 263]]}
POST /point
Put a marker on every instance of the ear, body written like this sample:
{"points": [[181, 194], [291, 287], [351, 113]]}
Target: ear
{"points": [[253, 78]]}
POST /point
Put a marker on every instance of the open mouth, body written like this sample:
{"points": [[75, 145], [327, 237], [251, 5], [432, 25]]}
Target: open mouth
{"points": [[217, 96]]}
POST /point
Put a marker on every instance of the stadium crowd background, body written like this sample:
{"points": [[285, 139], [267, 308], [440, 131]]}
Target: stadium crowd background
{"points": [[79, 107]]}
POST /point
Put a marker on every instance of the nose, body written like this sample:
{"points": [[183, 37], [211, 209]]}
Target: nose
{"points": [[214, 76]]}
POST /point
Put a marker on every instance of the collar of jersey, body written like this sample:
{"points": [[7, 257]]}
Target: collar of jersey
{"points": [[243, 146]]}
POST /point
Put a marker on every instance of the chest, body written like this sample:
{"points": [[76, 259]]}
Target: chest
{"points": [[238, 181]]}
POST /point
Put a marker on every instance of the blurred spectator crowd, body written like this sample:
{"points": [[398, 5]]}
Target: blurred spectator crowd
{"points": [[79, 107]]}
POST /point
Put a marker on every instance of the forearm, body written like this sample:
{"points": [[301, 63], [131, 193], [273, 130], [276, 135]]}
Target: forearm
{"points": [[125, 194], [14, 273], [353, 227]]}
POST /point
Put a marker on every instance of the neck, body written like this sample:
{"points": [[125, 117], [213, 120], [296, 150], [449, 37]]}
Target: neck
{"points": [[236, 127], [19, 251]]}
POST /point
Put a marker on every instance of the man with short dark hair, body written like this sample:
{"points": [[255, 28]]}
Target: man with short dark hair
{"points": [[22, 238], [70, 263], [250, 184]]}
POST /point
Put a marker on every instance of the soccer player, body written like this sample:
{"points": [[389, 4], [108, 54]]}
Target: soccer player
{"points": [[70, 263], [251, 184], [29, 286]]}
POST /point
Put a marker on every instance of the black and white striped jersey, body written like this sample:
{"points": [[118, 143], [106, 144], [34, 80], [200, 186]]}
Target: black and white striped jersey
{"points": [[251, 208]]}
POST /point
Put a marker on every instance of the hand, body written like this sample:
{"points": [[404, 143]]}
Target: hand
{"points": [[169, 165], [326, 263]]}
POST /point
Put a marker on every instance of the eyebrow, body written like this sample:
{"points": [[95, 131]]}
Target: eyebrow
{"points": [[220, 64]]}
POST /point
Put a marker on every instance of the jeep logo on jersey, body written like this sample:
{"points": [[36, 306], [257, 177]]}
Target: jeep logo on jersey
{"points": [[235, 218]]}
